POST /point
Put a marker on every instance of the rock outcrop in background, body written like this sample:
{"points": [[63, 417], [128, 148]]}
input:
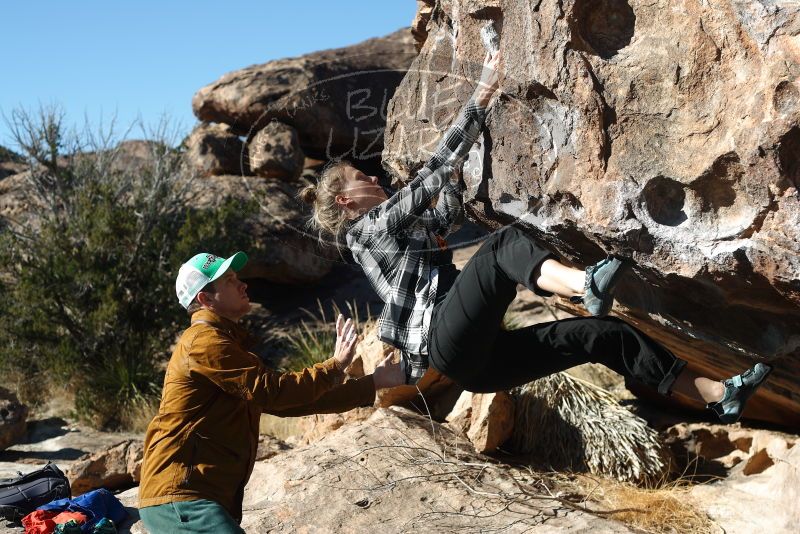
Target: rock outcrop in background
{"points": [[13, 415], [267, 129], [667, 132], [335, 99]]}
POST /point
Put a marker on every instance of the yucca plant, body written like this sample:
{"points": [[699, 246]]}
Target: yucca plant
{"points": [[569, 424]]}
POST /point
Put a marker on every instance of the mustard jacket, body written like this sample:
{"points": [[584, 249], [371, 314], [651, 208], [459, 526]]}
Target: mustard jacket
{"points": [[202, 444]]}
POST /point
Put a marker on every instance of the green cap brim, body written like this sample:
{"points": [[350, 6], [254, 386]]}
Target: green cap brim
{"points": [[235, 262]]}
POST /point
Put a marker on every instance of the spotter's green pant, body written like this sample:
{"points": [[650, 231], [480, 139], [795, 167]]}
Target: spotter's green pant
{"points": [[200, 516]]}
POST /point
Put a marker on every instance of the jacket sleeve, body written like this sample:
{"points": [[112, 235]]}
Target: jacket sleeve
{"points": [[238, 372], [407, 206], [352, 394]]}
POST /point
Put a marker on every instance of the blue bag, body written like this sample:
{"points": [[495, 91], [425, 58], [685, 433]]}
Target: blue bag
{"points": [[95, 505]]}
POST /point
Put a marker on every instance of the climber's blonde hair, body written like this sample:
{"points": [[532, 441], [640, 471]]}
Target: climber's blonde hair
{"points": [[328, 217]]}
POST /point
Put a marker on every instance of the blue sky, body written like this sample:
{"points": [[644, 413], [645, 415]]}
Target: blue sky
{"points": [[147, 58]]}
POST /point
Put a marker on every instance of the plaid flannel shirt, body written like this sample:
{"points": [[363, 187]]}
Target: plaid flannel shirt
{"points": [[392, 242]]}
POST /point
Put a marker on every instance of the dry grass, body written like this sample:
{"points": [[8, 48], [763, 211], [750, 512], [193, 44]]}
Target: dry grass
{"points": [[663, 509], [314, 339], [283, 428], [139, 414]]}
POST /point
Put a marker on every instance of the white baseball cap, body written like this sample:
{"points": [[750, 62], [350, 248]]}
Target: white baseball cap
{"points": [[202, 269]]}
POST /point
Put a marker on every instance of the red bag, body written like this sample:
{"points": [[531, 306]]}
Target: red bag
{"points": [[45, 521]]}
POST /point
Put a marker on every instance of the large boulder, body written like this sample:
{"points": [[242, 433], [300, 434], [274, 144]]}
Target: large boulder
{"points": [[287, 253], [214, 149], [405, 473], [118, 467], [401, 471], [667, 132], [336, 99], [13, 418], [274, 152]]}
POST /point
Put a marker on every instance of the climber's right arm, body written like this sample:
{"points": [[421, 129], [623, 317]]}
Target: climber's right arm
{"points": [[448, 214], [407, 206]]}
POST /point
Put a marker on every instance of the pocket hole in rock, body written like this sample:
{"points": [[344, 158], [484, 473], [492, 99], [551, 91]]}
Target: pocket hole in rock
{"points": [[606, 26], [664, 199], [786, 97]]}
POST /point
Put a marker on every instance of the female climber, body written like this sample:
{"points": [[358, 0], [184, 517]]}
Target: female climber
{"points": [[451, 320]]}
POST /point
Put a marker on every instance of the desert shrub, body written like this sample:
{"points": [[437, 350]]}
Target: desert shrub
{"points": [[88, 279]]}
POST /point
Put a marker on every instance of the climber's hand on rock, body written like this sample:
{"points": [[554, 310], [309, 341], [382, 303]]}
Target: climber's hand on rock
{"points": [[490, 79]]}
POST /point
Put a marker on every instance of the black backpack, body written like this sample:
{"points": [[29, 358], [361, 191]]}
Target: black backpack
{"points": [[21, 496]]}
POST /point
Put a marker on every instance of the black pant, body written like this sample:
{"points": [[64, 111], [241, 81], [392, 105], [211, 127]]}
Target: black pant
{"points": [[468, 345]]}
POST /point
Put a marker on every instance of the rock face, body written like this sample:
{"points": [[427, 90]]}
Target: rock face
{"points": [[667, 132], [286, 254], [213, 149], [761, 491], [13, 417], [336, 99], [117, 467], [275, 152]]}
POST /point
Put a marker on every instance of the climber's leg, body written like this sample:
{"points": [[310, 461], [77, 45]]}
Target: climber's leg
{"points": [[465, 324], [555, 277], [520, 356], [698, 387]]}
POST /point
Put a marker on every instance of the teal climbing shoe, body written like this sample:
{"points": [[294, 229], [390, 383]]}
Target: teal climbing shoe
{"points": [[601, 279], [737, 390]]}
